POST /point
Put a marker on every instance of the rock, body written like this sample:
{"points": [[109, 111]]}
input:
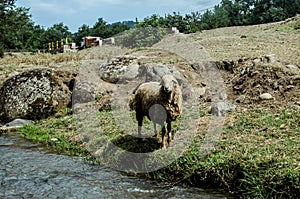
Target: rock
{"points": [[265, 96], [220, 108], [222, 95], [15, 124], [292, 67], [83, 92], [35, 94], [154, 72], [201, 91], [131, 72], [295, 107], [270, 59], [256, 61], [240, 99], [116, 68]]}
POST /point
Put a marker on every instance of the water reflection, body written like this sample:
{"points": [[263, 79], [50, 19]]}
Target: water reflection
{"points": [[27, 170]]}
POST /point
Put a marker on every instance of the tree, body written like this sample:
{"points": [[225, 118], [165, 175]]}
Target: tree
{"points": [[221, 17], [153, 21], [36, 39], [55, 33], [176, 20], [101, 29], [290, 7], [118, 28], [265, 11], [207, 20], [15, 23], [83, 31]]}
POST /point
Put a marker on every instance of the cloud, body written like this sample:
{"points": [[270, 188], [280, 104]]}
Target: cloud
{"points": [[74, 13]]}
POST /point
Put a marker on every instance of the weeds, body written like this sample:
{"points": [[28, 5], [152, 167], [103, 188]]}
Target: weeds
{"points": [[255, 157]]}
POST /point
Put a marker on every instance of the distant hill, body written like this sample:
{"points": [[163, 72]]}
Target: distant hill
{"points": [[131, 24]]}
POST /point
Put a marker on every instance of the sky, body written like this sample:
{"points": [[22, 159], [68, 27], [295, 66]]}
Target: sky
{"points": [[75, 13]]}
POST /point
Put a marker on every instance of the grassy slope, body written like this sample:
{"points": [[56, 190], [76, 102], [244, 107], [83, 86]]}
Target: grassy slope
{"points": [[257, 155]]}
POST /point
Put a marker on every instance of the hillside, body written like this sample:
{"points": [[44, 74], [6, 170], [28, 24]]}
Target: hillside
{"points": [[233, 43], [259, 59]]}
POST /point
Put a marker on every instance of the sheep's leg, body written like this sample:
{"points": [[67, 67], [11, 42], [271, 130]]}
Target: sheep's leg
{"points": [[169, 128], [163, 142], [155, 129], [140, 124]]}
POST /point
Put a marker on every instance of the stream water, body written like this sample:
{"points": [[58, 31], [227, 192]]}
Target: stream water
{"points": [[28, 170]]}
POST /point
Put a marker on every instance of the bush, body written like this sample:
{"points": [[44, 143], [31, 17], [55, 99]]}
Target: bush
{"points": [[142, 37]]}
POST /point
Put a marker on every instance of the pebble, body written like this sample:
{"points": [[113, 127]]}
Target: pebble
{"points": [[14, 125], [266, 96], [292, 67], [270, 58], [240, 99], [220, 108], [295, 107]]}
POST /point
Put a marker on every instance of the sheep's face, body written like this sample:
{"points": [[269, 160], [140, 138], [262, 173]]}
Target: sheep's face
{"points": [[168, 83]]}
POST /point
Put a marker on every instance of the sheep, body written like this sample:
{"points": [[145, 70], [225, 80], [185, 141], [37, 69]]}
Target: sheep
{"points": [[160, 101]]}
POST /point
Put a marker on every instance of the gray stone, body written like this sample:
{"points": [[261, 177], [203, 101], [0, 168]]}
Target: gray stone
{"points": [[220, 108], [119, 68], [256, 61], [265, 96], [83, 92], [270, 58], [292, 67], [200, 91], [154, 72], [240, 99], [35, 94], [15, 124], [295, 107], [131, 72]]}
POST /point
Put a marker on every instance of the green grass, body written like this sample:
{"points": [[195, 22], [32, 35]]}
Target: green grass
{"points": [[289, 27], [257, 156], [55, 133]]}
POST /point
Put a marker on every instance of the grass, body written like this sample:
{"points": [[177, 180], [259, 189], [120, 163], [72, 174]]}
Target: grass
{"points": [[12, 64], [290, 26], [57, 134], [41, 59], [257, 156], [276, 38]]}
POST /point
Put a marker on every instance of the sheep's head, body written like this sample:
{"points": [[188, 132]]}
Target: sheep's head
{"points": [[168, 84]]}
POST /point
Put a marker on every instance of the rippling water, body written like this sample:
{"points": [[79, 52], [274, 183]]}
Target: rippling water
{"points": [[27, 170]]}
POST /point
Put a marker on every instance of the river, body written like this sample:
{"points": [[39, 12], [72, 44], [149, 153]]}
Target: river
{"points": [[29, 170]]}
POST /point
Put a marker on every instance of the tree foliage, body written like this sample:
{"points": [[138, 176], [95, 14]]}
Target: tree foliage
{"points": [[19, 32], [142, 37], [228, 13], [15, 25]]}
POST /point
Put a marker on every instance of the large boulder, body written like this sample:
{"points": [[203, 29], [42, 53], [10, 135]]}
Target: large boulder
{"points": [[154, 72], [35, 94], [120, 68]]}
